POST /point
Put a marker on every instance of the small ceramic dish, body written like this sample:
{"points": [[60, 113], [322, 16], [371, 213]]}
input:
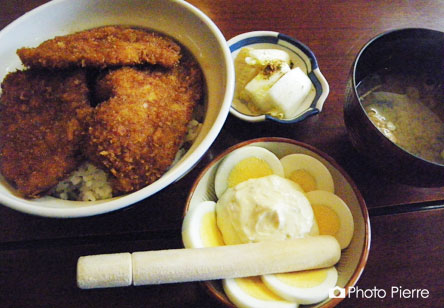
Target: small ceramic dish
{"points": [[354, 257], [301, 56]]}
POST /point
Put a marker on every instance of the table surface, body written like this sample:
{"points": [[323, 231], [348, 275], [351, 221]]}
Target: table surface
{"points": [[38, 255]]}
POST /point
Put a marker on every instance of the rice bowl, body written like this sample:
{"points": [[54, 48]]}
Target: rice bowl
{"points": [[196, 32]]}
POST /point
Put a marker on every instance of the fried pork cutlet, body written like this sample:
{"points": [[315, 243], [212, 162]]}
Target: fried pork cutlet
{"points": [[43, 122], [136, 133], [103, 47]]}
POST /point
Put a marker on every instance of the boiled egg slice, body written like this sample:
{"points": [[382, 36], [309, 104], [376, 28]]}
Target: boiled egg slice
{"points": [[308, 172], [304, 287], [251, 292], [243, 164], [332, 215], [199, 228]]}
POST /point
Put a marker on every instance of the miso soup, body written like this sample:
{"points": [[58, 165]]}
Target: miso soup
{"points": [[408, 109]]}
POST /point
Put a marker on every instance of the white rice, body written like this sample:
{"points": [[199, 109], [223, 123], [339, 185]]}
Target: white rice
{"points": [[87, 183]]}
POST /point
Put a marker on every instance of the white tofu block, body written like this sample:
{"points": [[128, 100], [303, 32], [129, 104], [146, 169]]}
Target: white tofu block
{"points": [[104, 271], [288, 93], [264, 56], [257, 89]]}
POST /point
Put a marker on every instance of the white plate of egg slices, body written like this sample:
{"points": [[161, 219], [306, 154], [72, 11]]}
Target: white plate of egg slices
{"points": [[335, 207]]}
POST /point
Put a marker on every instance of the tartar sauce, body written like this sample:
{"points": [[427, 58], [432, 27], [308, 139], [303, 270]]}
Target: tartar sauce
{"points": [[266, 208]]}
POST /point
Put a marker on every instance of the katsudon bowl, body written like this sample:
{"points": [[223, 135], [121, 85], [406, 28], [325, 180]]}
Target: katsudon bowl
{"points": [[194, 30]]}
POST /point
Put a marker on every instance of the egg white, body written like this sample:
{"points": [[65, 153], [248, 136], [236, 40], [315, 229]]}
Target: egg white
{"points": [[315, 168], [195, 221], [302, 295], [237, 156], [337, 205], [242, 299]]}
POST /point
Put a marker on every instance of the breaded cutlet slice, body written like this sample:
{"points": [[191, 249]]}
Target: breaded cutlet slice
{"points": [[103, 47], [136, 133], [43, 122]]}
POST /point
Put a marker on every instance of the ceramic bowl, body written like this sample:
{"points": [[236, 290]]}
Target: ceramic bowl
{"points": [[301, 56], [404, 51], [193, 29], [354, 257]]}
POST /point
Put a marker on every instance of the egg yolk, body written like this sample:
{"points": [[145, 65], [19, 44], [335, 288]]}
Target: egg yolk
{"points": [[327, 219], [254, 287], [249, 168], [304, 279], [209, 231], [304, 179]]}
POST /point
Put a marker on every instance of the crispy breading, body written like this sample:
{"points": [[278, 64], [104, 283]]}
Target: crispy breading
{"points": [[43, 122], [136, 133], [103, 47]]}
